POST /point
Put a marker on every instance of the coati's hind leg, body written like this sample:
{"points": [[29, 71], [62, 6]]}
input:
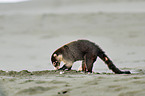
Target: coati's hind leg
{"points": [[83, 66], [88, 62]]}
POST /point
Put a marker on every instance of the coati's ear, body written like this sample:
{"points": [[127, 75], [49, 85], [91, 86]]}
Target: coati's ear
{"points": [[65, 46], [54, 55]]}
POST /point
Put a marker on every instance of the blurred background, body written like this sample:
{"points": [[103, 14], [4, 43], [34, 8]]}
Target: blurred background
{"points": [[31, 30]]}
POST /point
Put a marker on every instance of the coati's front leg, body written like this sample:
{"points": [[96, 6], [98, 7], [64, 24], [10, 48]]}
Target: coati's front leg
{"points": [[63, 68], [67, 66]]}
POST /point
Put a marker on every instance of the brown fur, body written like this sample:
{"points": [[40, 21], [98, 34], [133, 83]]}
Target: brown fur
{"points": [[82, 50]]}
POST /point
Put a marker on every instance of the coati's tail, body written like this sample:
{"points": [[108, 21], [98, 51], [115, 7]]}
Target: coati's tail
{"points": [[110, 64]]}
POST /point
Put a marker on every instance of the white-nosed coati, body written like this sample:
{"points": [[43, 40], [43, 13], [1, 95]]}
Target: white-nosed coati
{"points": [[82, 50]]}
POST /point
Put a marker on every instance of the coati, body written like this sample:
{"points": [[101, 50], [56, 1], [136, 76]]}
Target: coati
{"points": [[82, 50]]}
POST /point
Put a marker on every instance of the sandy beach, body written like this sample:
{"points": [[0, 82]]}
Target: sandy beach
{"points": [[31, 31], [71, 83]]}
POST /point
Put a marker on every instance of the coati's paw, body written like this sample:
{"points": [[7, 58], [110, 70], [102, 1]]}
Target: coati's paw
{"points": [[90, 72], [61, 69]]}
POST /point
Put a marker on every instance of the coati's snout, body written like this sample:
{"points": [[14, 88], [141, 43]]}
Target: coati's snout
{"points": [[55, 61], [56, 64]]}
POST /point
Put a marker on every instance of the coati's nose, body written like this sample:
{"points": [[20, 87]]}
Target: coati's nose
{"points": [[54, 64]]}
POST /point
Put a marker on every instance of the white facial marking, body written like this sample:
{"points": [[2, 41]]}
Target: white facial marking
{"points": [[106, 59], [55, 55], [59, 57]]}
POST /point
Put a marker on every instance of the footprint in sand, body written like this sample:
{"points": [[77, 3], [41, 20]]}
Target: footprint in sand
{"points": [[36, 90], [117, 87]]}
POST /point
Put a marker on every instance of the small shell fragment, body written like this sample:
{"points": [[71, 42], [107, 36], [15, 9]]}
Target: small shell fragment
{"points": [[61, 72]]}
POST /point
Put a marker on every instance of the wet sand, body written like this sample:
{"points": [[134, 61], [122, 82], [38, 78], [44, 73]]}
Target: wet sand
{"points": [[51, 83]]}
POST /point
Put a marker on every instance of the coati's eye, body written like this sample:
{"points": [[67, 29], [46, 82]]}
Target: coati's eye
{"points": [[55, 63]]}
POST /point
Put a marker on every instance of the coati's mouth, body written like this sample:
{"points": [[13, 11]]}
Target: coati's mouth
{"points": [[57, 67]]}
